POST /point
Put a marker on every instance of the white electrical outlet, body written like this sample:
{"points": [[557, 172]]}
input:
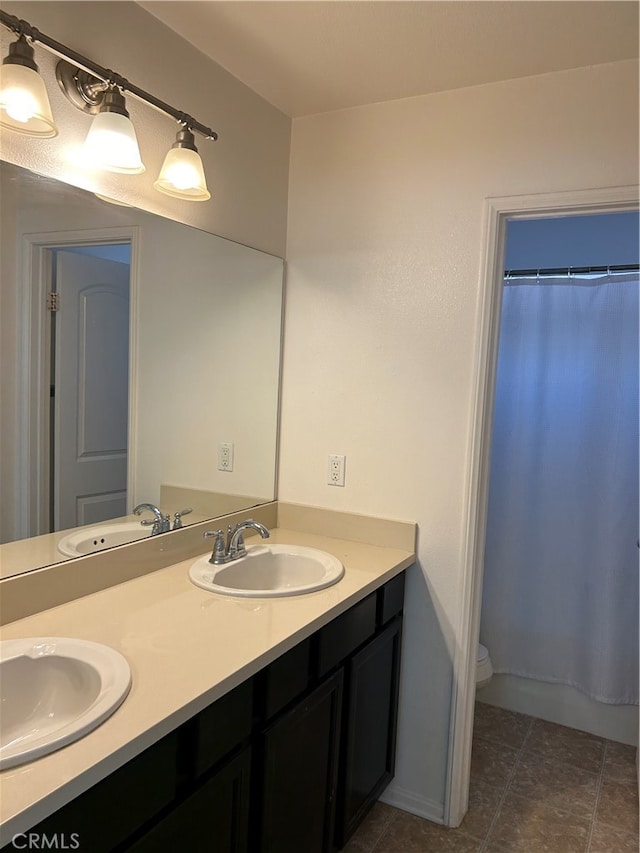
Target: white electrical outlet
{"points": [[225, 456], [335, 470]]}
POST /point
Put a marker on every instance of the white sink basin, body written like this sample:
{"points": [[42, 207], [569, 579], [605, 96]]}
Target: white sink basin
{"points": [[101, 536], [269, 571], [55, 691]]}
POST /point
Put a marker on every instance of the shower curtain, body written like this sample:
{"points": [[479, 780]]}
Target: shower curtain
{"points": [[560, 594]]}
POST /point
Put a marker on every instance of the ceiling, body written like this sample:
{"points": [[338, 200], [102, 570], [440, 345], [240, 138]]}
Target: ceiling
{"points": [[311, 56]]}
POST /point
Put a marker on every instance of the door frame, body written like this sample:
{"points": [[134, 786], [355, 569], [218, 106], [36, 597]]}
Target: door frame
{"points": [[496, 212], [33, 444]]}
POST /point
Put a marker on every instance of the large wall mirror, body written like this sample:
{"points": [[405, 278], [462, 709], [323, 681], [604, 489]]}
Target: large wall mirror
{"points": [[140, 363]]}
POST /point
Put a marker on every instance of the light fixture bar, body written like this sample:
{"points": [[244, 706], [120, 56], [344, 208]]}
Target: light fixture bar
{"points": [[19, 27]]}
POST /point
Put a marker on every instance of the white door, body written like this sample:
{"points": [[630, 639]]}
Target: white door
{"points": [[91, 390]]}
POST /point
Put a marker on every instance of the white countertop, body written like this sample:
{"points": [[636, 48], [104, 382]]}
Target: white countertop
{"points": [[186, 647]]}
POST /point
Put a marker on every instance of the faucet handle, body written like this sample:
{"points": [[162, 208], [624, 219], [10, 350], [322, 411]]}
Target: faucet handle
{"points": [[157, 525], [177, 519], [219, 555]]}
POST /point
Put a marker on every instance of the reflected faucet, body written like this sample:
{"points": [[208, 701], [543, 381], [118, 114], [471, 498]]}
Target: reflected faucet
{"points": [[234, 547], [161, 523]]}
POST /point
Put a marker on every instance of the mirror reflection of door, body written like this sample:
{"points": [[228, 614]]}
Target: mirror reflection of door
{"points": [[89, 384]]}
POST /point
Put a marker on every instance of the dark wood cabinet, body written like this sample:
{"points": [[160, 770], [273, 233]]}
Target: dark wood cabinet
{"points": [[369, 727], [213, 733], [283, 681], [337, 640], [214, 819], [299, 774], [289, 761]]}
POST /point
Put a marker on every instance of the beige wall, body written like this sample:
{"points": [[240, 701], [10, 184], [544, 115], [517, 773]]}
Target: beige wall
{"points": [[382, 326], [246, 168]]}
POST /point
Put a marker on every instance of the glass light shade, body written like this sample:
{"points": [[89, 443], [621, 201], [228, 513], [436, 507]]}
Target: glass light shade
{"points": [[24, 103], [111, 144], [182, 175]]}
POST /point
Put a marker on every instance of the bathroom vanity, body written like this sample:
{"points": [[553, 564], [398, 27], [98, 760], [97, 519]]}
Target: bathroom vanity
{"points": [[287, 761], [251, 725]]}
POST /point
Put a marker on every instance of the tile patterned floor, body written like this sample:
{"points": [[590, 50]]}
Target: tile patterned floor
{"points": [[535, 788]]}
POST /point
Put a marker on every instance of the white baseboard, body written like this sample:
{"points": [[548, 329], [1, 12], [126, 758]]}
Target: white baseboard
{"points": [[410, 802]]}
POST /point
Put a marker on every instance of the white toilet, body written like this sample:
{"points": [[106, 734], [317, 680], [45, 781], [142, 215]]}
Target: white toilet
{"points": [[484, 670]]}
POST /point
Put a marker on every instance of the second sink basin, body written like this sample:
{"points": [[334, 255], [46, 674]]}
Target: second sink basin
{"points": [[101, 536], [269, 571], [54, 691]]}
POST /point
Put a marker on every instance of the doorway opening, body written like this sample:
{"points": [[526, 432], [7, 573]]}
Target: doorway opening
{"points": [[75, 441], [560, 586], [498, 213], [89, 389]]}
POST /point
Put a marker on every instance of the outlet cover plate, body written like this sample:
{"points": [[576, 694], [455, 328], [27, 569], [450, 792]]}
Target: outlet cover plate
{"points": [[225, 456], [335, 469]]}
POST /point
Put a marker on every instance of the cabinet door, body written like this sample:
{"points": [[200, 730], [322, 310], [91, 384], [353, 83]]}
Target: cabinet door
{"points": [[214, 819], [369, 738], [299, 774]]}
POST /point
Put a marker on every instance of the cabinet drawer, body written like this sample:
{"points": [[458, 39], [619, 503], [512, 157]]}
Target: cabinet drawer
{"points": [[220, 728], [391, 599], [285, 679], [339, 638]]}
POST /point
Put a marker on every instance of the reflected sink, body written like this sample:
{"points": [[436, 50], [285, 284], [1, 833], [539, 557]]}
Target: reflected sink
{"points": [[101, 536], [269, 571], [55, 691]]}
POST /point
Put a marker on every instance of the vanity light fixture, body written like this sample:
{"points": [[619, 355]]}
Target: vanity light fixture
{"points": [[111, 142], [24, 103], [182, 173]]}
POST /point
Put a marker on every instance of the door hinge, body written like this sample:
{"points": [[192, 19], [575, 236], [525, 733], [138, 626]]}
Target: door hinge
{"points": [[53, 301]]}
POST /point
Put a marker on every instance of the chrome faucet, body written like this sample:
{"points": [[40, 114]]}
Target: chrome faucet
{"points": [[161, 523], [233, 547], [235, 537]]}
